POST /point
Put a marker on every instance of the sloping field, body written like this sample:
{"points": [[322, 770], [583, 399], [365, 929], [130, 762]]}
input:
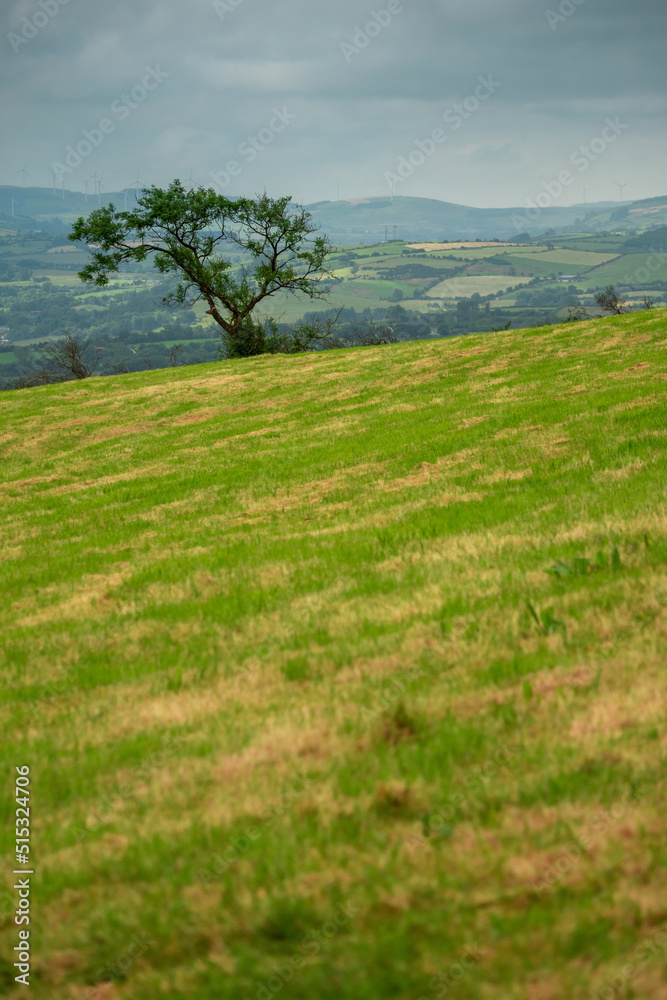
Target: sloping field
{"points": [[473, 251], [577, 258], [305, 712], [455, 288], [633, 269], [431, 247]]}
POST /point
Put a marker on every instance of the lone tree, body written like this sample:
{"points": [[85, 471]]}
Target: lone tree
{"points": [[610, 301], [62, 361], [187, 231]]}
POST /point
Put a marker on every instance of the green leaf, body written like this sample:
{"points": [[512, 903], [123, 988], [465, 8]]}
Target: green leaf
{"points": [[560, 569], [533, 612]]}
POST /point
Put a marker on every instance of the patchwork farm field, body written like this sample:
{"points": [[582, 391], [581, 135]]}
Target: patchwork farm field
{"points": [[342, 676], [633, 269], [576, 258], [483, 284]]}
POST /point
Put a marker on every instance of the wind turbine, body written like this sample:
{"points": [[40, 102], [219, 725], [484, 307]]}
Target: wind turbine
{"points": [[96, 184], [190, 182], [99, 188], [620, 188], [24, 172], [14, 202]]}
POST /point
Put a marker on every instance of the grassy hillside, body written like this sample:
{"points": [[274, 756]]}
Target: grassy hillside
{"points": [[306, 712]]}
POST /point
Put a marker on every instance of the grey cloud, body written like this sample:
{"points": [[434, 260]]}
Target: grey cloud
{"points": [[354, 116]]}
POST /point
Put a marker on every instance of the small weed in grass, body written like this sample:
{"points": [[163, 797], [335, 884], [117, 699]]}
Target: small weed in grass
{"points": [[399, 725], [582, 566], [546, 621]]}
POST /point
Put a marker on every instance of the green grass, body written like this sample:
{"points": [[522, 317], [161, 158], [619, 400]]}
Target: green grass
{"points": [[577, 258], [531, 264], [298, 690]]}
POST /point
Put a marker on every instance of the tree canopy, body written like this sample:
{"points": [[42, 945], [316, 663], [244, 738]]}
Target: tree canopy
{"points": [[187, 233]]}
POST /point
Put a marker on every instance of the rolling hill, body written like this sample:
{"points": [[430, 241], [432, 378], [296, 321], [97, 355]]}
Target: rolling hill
{"points": [[342, 675], [364, 220]]}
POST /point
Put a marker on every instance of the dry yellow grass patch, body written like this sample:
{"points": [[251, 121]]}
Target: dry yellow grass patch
{"points": [[622, 706], [111, 433], [258, 433], [547, 682], [471, 352], [632, 404], [93, 597], [471, 421], [151, 470], [624, 473], [36, 481], [507, 476], [194, 418], [403, 408], [647, 522], [311, 493]]}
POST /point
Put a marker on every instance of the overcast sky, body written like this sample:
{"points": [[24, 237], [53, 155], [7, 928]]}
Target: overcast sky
{"points": [[300, 97]]}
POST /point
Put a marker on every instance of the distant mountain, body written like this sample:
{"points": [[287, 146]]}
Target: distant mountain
{"points": [[52, 211], [367, 220], [364, 220]]}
